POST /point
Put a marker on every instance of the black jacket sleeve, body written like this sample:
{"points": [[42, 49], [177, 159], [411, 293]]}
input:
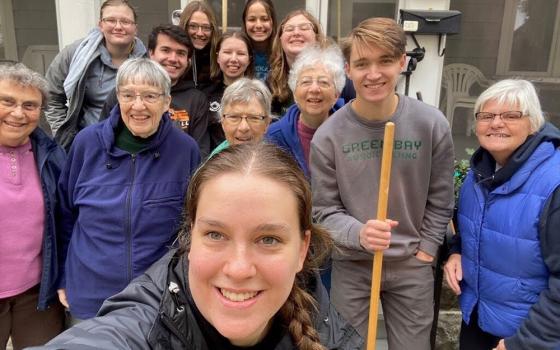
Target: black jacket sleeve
{"points": [[541, 330], [198, 128], [125, 319]]}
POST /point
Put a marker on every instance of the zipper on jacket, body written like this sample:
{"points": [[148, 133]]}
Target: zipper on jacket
{"points": [[478, 238], [165, 319], [44, 262], [129, 223], [43, 302]]}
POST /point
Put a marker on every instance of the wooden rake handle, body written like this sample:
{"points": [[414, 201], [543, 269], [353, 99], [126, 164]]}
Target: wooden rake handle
{"points": [[386, 161], [224, 16]]}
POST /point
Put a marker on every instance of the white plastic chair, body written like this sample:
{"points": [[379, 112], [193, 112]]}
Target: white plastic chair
{"points": [[457, 79]]}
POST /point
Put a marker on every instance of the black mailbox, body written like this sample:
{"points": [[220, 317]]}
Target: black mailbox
{"points": [[431, 21]]}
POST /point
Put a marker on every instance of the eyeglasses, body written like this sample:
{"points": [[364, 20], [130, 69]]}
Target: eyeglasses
{"points": [[194, 27], [111, 21], [509, 116], [322, 82], [11, 104], [304, 27], [234, 119], [146, 97]]}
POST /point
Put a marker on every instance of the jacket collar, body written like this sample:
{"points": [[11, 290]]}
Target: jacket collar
{"points": [[109, 127], [42, 146]]}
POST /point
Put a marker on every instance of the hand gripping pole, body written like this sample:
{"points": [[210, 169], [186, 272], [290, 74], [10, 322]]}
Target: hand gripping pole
{"points": [[386, 161]]}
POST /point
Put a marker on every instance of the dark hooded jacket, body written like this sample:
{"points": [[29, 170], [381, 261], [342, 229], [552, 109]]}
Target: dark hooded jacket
{"points": [[540, 329], [50, 159], [200, 68], [156, 311]]}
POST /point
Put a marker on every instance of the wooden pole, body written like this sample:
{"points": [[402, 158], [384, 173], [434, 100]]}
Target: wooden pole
{"points": [[338, 21], [386, 161], [224, 15]]}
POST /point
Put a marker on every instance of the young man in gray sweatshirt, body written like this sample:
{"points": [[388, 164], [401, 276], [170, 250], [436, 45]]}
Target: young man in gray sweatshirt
{"points": [[345, 167]]}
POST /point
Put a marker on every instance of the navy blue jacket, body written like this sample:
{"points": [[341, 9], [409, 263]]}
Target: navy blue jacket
{"points": [[120, 211], [50, 159], [284, 134]]}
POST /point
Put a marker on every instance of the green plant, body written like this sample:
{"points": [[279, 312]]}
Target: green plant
{"points": [[461, 169]]}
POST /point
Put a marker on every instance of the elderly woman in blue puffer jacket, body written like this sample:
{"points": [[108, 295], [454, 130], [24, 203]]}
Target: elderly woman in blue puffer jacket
{"points": [[506, 264]]}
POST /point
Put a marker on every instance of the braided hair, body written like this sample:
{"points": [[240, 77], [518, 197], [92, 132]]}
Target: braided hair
{"points": [[269, 161]]}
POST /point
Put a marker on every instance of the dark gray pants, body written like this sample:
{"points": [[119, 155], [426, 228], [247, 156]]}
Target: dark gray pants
{"points": [[406, 298], [20, 319]]}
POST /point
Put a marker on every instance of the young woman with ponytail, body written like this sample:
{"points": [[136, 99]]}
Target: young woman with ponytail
{"points": [[245, 275]]}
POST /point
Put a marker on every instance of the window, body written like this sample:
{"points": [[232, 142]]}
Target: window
{"points": [[345, 15], [530, 39]]}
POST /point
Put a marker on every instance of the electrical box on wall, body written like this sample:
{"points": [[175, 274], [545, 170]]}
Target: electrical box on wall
{"points": [[431, 21]]}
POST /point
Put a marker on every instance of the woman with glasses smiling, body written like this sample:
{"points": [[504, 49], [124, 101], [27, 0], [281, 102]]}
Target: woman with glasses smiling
{"points": [[199, 22], [316, 79], [30, 164], [245, 113], [506, 263], [297, 30], [121, 191], [83, 74]]}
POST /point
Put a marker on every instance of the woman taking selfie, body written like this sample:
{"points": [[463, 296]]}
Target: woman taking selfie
{"points": [[245, 275]]}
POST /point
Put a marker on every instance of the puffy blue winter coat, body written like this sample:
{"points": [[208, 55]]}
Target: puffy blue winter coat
{"points": [[503, 268]]}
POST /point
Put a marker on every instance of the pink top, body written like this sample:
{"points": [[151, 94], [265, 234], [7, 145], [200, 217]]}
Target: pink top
{"points": [[305, 134], [22, 220]]}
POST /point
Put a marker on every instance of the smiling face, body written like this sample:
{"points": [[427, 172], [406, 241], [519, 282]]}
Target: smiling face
{"points": [[258, 22], [374, 72], [244, 131], [118, 34], [315, 93], [252, 233], [499, 138], [140, 117], [293, 41], [173, 56], [18, 122], [233, 59], [199, 29]]}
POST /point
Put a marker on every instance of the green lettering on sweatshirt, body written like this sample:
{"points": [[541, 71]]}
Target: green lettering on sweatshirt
{"points": [[370, 149]]}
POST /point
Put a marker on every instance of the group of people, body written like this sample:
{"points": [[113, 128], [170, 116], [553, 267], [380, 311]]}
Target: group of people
{"points": [[195, 190]]}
